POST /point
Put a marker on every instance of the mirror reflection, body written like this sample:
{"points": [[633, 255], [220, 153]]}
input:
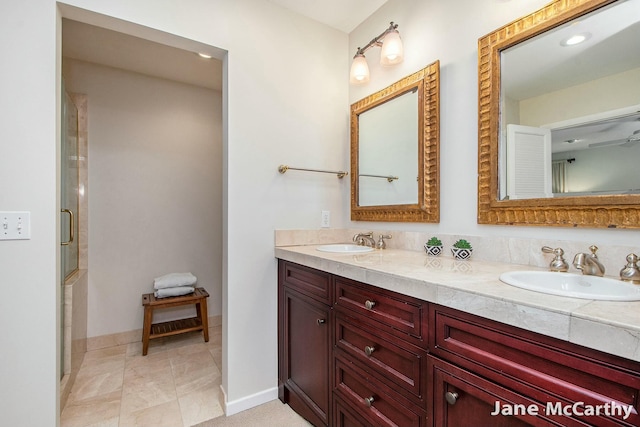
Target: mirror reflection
{"points": [[569, 108], [525, 92], [395, 141], [388, 152]]}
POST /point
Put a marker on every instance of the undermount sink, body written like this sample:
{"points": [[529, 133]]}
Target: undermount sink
{"points": [[345, 248], [573, 285]]}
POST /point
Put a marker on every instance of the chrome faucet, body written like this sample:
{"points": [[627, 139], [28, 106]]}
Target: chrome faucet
{"points": [[631, 272], [558, 263], [365, 239], [381, 243], [589, 263]]}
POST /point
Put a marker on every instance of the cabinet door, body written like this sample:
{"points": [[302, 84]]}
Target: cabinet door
{"points": [[462, 399], [306, 355]]}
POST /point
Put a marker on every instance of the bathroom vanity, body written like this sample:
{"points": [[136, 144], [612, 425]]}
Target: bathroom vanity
{"points": [[398, 338]]}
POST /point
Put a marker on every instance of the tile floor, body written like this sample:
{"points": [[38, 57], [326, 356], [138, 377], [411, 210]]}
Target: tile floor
{"points": [[176, 385]]}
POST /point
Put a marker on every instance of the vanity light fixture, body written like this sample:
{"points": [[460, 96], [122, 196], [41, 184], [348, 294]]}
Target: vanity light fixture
{"points": [[391, 53]]}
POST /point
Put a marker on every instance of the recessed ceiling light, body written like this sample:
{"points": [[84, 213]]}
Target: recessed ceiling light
{"points": [[204, 55], [571, 141], [575, 39]]}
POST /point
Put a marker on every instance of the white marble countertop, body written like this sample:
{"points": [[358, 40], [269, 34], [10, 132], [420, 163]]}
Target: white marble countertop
{"points": [[473, 286]]}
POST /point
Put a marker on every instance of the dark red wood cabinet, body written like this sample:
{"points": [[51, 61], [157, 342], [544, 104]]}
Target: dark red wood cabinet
{"points": [[304, 331], [380, 356], [463, 399], [352, 354], [552, 373]]}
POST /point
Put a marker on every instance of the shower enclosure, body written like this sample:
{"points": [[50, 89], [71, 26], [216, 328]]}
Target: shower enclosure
{"points": [[69, 187], [73, 239], [69, 180]]}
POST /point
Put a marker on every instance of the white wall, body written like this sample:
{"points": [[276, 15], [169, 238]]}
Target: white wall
{"points": [[155, 190], [433, 30], [285, 101], [278, 111], [605, 168], [29, 358], [605, 94]]}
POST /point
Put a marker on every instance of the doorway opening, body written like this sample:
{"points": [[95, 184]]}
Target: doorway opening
{"points": [[154, 171]]}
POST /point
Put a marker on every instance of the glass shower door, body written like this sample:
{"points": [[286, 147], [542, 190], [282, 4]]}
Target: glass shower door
{"points": [[69, 191], [69, 179]]}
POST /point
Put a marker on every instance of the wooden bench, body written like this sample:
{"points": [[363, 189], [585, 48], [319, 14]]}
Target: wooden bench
{"points": [[157, 330]]}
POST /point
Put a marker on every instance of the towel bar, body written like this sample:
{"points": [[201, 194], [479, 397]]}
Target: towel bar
{"points": [[284, 168], [389, 178]]}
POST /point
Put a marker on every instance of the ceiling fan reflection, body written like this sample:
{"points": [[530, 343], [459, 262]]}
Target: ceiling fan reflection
{"points": [[631, 140]]}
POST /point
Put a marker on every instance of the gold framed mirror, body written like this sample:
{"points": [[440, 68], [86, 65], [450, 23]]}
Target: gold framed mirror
{"points": [[395, 146], [593, 208]]}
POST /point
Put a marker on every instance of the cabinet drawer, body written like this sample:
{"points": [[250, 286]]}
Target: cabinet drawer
{"points": [[386, 356], [406, 316], [313, 283], [462, 399], [344, 416], [543, 368], [373, 400]]}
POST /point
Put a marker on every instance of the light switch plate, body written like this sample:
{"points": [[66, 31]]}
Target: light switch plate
{"points": [[15, 225]]}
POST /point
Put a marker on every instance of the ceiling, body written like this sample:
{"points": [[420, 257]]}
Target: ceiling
{"points": [[344, 15], [622, 130], [98, 45], [542, 65]]}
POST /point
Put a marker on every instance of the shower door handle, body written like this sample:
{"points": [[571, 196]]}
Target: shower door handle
{"points": [[72, 226]]}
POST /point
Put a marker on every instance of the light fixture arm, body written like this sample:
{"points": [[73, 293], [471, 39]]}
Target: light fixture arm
{"points": [[378, 40]]}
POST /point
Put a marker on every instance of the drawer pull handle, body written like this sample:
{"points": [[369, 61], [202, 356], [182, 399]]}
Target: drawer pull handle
{"points": [[369, 304], [369, 401], [368, 350], [451, 397], [321, 321]]}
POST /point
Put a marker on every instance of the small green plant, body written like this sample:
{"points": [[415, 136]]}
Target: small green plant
{"points": [[434, 241], [462, 244]]}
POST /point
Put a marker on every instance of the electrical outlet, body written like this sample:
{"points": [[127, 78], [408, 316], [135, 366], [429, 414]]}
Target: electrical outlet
{"points": [[325, 219]]}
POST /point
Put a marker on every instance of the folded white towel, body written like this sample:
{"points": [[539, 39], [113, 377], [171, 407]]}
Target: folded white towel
{"points": [[174, 292], [173, 280]]}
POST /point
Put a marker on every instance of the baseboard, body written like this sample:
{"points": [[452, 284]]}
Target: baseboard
{"points": [[121, 338], [232, 408]]}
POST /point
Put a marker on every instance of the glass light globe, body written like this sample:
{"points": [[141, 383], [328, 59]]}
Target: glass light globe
{"points": [[392, 50], [359, 70]]}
